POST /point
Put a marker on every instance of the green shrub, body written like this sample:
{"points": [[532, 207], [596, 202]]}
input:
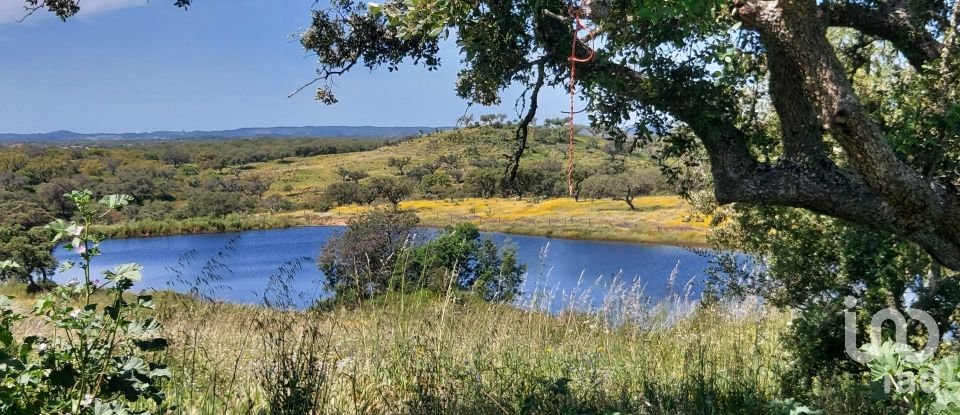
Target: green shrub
{"points": [[918, 383], [86, 359], [360, 263], [460, 258]]}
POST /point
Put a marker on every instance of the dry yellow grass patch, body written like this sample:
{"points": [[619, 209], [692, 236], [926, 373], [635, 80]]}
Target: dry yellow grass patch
{"points": [[658, 219]]}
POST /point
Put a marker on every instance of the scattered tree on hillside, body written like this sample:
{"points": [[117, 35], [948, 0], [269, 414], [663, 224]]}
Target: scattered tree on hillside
{"points": [[557, 128], [174, 155], [623, 186], [579, 176], [343, 193], [526, 180], [399, 163], [493, 120], [419, 172], [50, 196], [484, 182], [448, 161], [347, 174], [391, 189], [465, 121]]}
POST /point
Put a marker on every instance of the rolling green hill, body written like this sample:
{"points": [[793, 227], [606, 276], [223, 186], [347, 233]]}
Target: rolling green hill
{"points": [[660, 218], [308, 177]]}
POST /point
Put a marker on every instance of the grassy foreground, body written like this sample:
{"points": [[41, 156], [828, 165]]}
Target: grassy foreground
{"points": [[427, 353]]}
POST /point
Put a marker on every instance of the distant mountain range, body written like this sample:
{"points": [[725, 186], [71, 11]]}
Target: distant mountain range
{"points": [[289, 132]]}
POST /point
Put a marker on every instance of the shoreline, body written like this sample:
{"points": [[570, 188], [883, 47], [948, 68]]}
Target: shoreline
{"points": [[656, 225]]}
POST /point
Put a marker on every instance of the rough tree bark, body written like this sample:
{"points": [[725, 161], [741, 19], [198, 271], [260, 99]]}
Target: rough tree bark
{"points": [[813, 98], [794, 31]]}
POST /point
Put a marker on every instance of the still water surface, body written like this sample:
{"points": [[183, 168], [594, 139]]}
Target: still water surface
{"points": [[246, 260]]}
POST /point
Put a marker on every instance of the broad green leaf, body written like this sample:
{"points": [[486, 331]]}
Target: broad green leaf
{"points": [[6, 337], [161, 373], [115, 202], [133, 363], [42, 305], [131, 272], [59, 228], [946, 369], [66, 266]]}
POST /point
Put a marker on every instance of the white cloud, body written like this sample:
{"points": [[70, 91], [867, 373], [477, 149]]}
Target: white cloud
{"points": [[12, 10]]}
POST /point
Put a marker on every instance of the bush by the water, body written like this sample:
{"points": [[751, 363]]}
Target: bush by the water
{"points": [[380, 252]]}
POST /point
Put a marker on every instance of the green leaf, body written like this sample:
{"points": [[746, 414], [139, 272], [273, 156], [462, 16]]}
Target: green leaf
{"points": [[129, 272], [59, 228], [6, 337], [162, 372], [946, 369], [115, 202], [42, 305], [66, 266], [133, 363]]}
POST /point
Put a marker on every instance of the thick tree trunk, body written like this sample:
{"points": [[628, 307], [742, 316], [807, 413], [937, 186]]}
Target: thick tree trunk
{"points": [[808, 80], [812, 97]]}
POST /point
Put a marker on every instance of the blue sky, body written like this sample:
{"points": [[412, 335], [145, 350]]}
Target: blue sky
{"points": [[133, 65]]}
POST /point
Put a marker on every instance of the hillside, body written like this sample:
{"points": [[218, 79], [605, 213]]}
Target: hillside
{"points": [[307, 177], [658, 218]]}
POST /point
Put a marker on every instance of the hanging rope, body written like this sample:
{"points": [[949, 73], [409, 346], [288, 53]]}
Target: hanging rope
{"points": [[578, 27]]}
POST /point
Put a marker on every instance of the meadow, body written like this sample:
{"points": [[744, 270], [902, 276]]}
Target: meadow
{"points": [[422, 353]]}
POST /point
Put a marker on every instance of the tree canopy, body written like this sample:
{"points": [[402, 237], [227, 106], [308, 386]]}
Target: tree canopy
{"points": [[767, 88], [771, 91]]}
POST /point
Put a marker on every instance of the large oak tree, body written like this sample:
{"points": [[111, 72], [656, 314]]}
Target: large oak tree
{"points": [[705, 67], [715, 75]]}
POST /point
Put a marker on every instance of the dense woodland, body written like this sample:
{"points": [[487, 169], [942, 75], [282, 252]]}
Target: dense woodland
{"points": [[166, 181]]}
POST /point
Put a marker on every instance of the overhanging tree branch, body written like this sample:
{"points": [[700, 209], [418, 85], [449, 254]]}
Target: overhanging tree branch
{"points": [[523, 127], [917, 44]]}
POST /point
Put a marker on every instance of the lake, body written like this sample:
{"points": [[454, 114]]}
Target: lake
{"points": [[244, 261]]}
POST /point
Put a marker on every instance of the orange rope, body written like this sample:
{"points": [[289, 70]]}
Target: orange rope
{"points": [[574, 60]]}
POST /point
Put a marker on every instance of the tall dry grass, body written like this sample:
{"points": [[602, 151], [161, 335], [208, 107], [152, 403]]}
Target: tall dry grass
{"points": [[449, 353]]}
